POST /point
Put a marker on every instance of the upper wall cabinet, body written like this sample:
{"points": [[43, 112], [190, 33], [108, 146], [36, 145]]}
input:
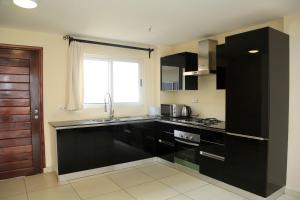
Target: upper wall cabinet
{"points": [[172, 69], [221, 66]]}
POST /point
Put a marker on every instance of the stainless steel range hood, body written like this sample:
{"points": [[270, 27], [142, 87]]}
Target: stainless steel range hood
{"points": [[206, 58]]}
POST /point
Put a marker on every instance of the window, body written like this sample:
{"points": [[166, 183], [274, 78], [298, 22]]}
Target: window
{"points": [[120, 78]]}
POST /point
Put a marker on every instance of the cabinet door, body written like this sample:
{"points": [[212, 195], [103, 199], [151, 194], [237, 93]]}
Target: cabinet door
{"points": [[246, 164], [247, 84], [83, 149], [221, 66], [166, 145]]}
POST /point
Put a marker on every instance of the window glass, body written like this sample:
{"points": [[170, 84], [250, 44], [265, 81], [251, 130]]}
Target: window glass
{"points": [[125, 82], [96, 80]]}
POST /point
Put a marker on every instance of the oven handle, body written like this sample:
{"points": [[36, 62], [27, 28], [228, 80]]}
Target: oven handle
{"points": [[213, 156], [188, 143], [166, 143]]}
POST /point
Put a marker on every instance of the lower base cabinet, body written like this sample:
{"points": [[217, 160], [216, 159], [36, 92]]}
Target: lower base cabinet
{"points": [[246, 165]]}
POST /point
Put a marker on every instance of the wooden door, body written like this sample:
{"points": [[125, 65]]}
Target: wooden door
{"points": [[21, 111]]}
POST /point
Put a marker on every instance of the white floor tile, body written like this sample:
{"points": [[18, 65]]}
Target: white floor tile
{"points": [[12, 187], [18, 197], [130, 178], [183, 182], [286, 197], [94, 186], [40, 182], [152, 191], [180, 197], [158, 171], [118, 195], [211, 192], [65, 192]]}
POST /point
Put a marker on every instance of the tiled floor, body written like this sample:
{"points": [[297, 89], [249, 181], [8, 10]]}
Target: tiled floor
{"points": [[153, 181]]}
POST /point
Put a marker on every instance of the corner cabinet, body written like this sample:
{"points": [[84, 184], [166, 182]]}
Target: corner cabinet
{"points": [[172, 69], [257, 100]]}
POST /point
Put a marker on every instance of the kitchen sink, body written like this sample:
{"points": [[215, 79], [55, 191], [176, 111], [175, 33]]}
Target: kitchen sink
{"points": [[107, 120]]}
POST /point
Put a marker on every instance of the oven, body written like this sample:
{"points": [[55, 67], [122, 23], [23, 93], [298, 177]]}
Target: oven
{"points": [[187, 149]]}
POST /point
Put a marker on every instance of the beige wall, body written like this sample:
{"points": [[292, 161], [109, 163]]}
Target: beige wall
{"points": [[207, 101], [292, 27], [54, 75]]}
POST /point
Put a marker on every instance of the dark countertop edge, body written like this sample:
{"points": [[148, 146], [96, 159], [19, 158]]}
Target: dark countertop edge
{"points": [[134, 121]]}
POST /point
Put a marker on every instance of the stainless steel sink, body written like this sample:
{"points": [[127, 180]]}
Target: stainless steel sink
{"points": [[108, 120]]}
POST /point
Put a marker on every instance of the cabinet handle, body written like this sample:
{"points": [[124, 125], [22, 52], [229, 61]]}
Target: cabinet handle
{"points": [[213, 156], [188, 143], [246, 136], [167, 132], [166, 142], [127, 131]]}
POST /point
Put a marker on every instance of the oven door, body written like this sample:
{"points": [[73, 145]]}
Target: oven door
{"points": [[186, 153]]}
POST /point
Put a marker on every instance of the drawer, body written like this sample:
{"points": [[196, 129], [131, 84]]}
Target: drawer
{"points": [[212, 148], [212, 137]]}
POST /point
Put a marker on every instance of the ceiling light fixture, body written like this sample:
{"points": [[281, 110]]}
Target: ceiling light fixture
{"points": [[26, 3], [253, 51]]}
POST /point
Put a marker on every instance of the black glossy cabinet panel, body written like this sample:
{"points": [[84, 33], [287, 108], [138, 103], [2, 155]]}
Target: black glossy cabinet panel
{"points": [[246, 83], [86, 148], [89, 148], [246, 164], [257, 100], [172, 68], [212, 155], [221, 66], [165, 141]]}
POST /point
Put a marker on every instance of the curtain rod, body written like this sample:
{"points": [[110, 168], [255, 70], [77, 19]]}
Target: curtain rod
{"points": [[70, 38]]}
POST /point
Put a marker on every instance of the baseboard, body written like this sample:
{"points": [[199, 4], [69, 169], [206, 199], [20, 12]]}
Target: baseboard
{"points": [[48, 170], [293, 193], [64, 178]]}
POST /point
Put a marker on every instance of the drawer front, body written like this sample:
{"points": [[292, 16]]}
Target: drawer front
{"points": [[212, 148], [212, 167], [213, 137]]}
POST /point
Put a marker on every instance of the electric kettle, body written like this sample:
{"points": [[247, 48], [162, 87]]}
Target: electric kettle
{"points": [[186, 111]]}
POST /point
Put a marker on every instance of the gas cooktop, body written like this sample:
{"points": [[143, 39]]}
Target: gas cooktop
{"points": [[207, 122]]}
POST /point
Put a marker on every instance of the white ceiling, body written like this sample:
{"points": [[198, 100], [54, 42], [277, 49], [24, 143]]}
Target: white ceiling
{"points": [[172, 21]]}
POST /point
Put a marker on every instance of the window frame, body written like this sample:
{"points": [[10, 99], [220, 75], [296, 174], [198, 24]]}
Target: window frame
{"points": [[110, 60]]}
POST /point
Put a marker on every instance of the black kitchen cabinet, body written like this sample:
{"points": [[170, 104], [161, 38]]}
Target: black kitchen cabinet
{"points": [[165, 141], [88, 148], [257, 99], [221, 66], [212, 154], [246, 164], [84, 148], [172, 68]]}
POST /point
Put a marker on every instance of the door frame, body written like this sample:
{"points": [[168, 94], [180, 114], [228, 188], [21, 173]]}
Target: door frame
{"points": [[38, 51]]}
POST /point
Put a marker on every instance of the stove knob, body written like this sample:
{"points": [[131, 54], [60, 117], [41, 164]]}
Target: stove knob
{"points": [[191, 137], [185, 137]]}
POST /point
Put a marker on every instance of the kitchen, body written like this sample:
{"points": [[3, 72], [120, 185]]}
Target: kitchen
{"points": [[206, 101]]}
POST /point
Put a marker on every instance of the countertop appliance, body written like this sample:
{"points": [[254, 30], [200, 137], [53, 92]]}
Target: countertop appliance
{"points": [[205, 122], [171, 110], [186, 149], [186, 111]]}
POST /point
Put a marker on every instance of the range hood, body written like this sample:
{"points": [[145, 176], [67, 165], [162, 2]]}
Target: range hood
{"points": [[206, 58]]}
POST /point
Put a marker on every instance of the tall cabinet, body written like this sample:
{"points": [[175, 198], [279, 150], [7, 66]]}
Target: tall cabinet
{"points": [[257, 99]]}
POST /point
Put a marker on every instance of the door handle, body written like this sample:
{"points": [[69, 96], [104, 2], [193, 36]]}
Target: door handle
{"points": [[188, 143], [213, 156], [166, 142]]}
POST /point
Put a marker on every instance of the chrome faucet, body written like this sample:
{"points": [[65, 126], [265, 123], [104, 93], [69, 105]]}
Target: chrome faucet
{"points": [[111, 111]]}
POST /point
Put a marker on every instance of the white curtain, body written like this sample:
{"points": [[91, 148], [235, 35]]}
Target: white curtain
{"points": [[75, 77]]}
